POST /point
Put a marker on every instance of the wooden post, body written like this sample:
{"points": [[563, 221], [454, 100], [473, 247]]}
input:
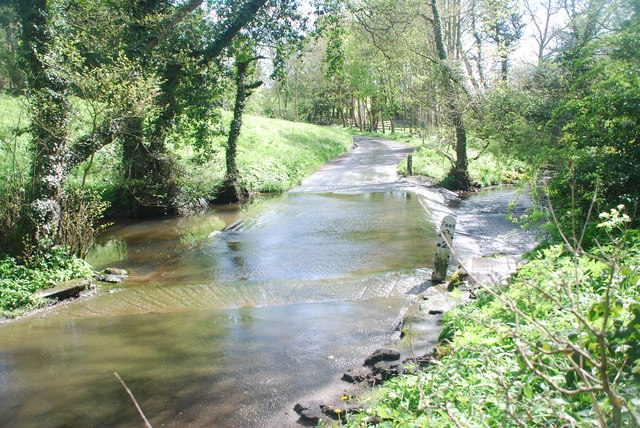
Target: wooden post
{"points": [[409, 165], [443, 249]]}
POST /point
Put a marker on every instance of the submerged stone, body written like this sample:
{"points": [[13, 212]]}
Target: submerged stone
{"points": [[111, 279], [115, 271]]}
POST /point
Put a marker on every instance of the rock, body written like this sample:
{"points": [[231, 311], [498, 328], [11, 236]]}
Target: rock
{"points": [[382, 355], [353, 377], [111, 275], [400, 369], [309, 413], [436, 311], [111, 279], [335, 414], [385, 370], [65, 290], [457, 279], [115, 271]]}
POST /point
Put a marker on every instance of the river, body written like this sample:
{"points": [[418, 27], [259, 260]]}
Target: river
{"points": [[231, 316]]}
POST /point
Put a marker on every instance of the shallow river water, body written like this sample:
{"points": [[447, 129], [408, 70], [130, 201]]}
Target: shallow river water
{"points": [[229, 316]]}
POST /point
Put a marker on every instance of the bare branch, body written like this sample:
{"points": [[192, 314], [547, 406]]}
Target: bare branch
{"points": [[147, 424]]}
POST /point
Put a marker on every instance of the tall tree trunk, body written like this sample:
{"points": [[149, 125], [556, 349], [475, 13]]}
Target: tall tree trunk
{"points": [[459, 174], [478, 42], [150, 185], [504, 66], [49, 124], [231, 190]]}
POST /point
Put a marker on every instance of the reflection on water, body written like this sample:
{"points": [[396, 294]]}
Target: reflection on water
{"points": [[303, 237], [201, 368], [108, 252]]}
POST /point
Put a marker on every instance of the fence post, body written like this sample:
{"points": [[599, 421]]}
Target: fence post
{"points": [[443, 249], [409, 165]]}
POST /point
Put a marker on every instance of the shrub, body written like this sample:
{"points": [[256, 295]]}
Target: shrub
{"points": [[20, 280]]}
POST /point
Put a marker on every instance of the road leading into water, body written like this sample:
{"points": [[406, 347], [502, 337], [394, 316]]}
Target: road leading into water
{"points": [[231, 316], [370, 166]]}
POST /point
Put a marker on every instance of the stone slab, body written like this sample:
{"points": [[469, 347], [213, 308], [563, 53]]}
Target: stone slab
{"points": [[65, 290], [489, 269]]}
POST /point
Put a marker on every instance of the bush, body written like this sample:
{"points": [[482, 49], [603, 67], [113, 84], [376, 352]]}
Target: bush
{"points": [[20, 280]]}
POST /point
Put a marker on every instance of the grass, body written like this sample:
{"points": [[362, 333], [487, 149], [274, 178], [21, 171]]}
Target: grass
{"points": [[13, 141], [434, 159], [273, 155]]}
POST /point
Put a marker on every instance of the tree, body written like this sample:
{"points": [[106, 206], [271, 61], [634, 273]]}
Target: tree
{"points": [[504, 27], [54, 152], [231, 190], [166, 49], [451, 81], [541, 16]]}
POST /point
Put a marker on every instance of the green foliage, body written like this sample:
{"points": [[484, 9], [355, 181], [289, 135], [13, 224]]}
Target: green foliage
{"points": [[486, 168], [558, 346], [20, 281], [603, 136], [576, 119], [273, 156]]}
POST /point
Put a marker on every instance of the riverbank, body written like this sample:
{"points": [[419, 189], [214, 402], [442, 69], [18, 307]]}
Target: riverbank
{"points": [[508, 354], [273, 156]]}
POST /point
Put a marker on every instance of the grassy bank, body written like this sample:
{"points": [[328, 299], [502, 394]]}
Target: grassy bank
{"points": [[433, 159], [558, 346], [273, 156]]}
